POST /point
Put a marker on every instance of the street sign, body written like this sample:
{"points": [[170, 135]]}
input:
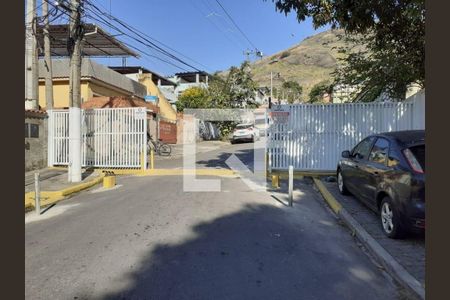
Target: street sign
{"points": [[140, 113], [150, 98]]}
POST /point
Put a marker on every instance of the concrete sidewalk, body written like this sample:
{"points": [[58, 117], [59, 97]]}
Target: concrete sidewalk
{"points": [[54, 185], [55, 179]]}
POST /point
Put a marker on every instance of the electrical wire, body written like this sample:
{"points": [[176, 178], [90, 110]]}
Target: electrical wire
{"points": [[143, 36], [99, 18], [234, 23], [161, 43]]}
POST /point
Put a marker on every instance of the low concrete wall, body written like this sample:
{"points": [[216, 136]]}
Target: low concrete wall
{"points": [[35, 140]]}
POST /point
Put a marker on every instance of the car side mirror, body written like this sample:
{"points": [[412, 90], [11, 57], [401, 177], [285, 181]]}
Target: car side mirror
{"points": [[346, 154]]}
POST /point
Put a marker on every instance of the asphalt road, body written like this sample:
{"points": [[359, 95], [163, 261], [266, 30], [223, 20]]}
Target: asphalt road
{"points": [[147, 239]]}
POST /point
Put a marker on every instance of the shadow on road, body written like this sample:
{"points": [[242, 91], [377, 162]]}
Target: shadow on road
{"points": [[259, 252], [219, 161]]}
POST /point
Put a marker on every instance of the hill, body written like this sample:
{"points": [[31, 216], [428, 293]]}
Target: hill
{"points": [[308, 63]]}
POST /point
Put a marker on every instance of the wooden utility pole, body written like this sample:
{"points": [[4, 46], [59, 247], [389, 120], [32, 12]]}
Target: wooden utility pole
{"points": [[31, 72], [74, 47], [76, 35], [47, 59]]}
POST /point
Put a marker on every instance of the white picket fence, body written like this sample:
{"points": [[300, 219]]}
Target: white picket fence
{"points": [[315, 135], [111, 137]]}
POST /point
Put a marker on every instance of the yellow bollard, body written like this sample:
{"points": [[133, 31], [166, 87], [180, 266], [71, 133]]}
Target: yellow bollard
{"points": [[142, 161], [109, 181], [152, 158], [275, 181]]}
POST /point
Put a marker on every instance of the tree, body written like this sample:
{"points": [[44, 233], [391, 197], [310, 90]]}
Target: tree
{"points": [[237, 90], [392, 31], [194, 97], [293, 90], [319, 90]]}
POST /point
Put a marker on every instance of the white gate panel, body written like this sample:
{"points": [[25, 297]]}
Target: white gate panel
{"points": [[59, 131], [316, 134], [111, 137]]}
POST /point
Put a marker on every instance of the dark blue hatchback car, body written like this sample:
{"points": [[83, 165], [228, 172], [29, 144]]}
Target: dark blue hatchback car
{"points": [[387, 172]]}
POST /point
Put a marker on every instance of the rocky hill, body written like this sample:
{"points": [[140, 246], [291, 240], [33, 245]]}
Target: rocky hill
{"points": [[309, 62]]}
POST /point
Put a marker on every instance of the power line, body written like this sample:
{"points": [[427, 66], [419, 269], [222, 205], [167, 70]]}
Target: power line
{"points": [[236, 24], [219, 28], [161, 43], [227, 24], [146, 37], [103, 21], [99, 17]]}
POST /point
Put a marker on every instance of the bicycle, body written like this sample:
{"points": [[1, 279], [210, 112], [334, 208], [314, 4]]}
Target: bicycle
{"points": [[160, 147]]}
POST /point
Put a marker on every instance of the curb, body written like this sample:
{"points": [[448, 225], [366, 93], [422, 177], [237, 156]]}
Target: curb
{"points": [[382, 256], [177, 172], [50, 197], [169, 172]]}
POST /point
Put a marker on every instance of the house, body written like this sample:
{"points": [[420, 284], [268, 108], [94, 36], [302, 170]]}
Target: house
{"points": [[153, 83], [96, 81], [187, 80]]}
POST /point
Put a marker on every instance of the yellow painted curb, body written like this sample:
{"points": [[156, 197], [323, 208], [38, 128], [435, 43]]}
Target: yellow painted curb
{"points": [[50, 197], [179, 172], [300, 174], [332, 202]]}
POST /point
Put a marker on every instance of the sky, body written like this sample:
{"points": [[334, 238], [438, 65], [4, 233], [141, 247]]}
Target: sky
{"points": [[200, 30]]}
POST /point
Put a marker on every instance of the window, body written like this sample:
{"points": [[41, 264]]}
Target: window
{"points": [[379, 151], [31, 130], [361, 151], [419, 154], [393, 159], [27, 130], [244, 126]]}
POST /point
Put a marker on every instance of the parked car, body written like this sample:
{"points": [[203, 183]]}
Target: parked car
{"points": [[261, 125], [245, 132], [387, 172]]}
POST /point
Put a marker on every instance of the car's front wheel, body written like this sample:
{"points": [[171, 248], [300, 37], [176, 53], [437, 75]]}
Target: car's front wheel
{"points": [[390, 219], [341, 184]]}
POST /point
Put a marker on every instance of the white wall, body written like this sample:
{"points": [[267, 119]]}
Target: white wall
{"points": [[315, 135]]}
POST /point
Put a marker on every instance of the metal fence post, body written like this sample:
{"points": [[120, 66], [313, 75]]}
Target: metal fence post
{"points": [[37, 194], [291, 184]]}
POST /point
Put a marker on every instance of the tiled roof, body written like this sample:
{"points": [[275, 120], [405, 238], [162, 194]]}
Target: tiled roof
{"points": [[110, 102], [35, 113]]}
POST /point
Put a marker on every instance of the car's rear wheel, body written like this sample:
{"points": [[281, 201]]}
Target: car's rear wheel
{"points": [[391, 219], [341, 184]]}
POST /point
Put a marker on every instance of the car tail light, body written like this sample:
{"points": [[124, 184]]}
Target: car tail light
{"points": [[412, 161]]}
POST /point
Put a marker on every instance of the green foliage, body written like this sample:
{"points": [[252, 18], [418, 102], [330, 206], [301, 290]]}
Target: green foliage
{"points": [[285, 54], [194, 97], [237, 90], [293, 90], [392, 31], [319, 90]]}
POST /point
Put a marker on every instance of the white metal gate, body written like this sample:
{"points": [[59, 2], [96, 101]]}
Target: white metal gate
{"points": [[111, 137], [314, 135]]}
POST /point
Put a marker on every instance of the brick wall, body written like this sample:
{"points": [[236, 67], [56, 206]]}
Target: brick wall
{"points": [[35, 140]]}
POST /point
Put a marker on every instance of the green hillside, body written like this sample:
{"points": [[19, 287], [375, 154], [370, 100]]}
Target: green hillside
{"points": [[309, 62]]}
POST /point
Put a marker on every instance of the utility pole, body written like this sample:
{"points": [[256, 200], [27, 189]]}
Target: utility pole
{"points": [[31, 71], [47, 59], [76, 35], [271, 92], [74, 47]]}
